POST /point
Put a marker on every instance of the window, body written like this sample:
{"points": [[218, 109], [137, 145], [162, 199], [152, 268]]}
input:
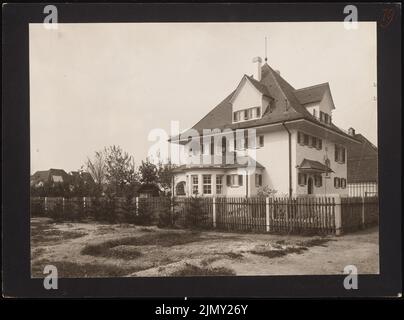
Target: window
{"points": [[258, 180], [261, 141], [302, 178], [321, 116], [339, 154], [305, 139], [258, 112], [314, 113], [319, 144], [194, 184], [180, 188], [234, 180], [337, 182], [318, 180], [300, 138], [205, 148], [219, 184], [343, 183], [313, 142], [236, 116], [245, 114], [207, 184]]}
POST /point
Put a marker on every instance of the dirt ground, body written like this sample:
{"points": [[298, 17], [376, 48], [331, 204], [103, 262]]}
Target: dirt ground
{"points": [[102, 250]]}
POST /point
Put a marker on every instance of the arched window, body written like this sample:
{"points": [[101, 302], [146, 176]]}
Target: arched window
{"points": [[180, 188]]}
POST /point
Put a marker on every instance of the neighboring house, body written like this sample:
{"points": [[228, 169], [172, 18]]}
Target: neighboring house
{"points": [[267, 134], [362, 167], [39, 178]]}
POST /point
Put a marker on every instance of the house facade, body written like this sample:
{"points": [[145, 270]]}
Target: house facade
{"points": [[266, 137]]}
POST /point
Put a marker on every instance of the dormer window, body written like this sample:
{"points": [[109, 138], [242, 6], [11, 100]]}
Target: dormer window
{"points": [[247, 114], [325, 117]]}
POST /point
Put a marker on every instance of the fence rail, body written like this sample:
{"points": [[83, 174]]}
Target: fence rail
{"points": [[319, 215]]}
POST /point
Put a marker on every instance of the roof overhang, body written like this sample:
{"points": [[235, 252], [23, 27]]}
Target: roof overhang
{"points": [[312, 166]]}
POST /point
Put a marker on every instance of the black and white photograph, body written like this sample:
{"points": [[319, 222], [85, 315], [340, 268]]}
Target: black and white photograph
{"points": [[164, 153], [203, 149]]}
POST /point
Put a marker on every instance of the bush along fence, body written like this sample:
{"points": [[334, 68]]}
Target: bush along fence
{"points": [[317, 215]]}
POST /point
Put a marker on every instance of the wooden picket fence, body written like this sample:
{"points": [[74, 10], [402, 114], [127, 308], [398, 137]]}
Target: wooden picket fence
{"points": [[311, 215]]}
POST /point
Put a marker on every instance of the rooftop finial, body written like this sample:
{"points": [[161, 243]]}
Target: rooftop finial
{"points": [[266, 56]]}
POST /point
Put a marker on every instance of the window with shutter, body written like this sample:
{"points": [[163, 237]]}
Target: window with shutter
{"points": [[313, 142], [336, 182], [305, 139], [319, 144], [261, 141], [240, 180]]}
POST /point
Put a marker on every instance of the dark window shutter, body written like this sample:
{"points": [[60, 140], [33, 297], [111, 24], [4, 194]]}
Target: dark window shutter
{"points": [[258, 112], [299, 137], [240, 180], [319, 144], [343, 154], [235, 116], [228, 180], [336, 153], [260, 180]]}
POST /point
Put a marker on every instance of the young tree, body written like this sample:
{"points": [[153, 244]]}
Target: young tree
{"points": [[121, 173], [97, 168], [165, 172], [148, 172]]}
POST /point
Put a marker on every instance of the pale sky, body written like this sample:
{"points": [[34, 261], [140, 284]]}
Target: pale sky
{"points": [[94, 85]]}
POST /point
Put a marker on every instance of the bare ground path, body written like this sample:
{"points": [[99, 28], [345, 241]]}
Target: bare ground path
{"points": [[102, 250]]}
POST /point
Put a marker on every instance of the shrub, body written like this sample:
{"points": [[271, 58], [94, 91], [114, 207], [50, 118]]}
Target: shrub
{"points": [[195, 216], [166, 213], [144, 215], [37, 207]]}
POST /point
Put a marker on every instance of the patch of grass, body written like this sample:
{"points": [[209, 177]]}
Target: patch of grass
{"points": [[67, 269], [279, 253], [192, 270], [314, 242], [46, 235], [147, 230], [233, 255], [166, 239]]}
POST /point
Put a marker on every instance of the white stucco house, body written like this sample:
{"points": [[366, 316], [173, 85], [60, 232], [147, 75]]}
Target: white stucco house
{"points": [[265, 134]]}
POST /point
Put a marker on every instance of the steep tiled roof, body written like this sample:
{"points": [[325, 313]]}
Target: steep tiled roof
{"points": [[312, 94], [45, 175], [286, 105]]}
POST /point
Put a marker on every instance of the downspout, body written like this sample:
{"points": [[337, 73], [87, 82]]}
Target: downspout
{"points": [[290, 158]]}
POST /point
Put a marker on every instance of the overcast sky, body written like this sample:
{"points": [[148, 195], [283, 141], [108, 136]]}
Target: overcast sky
{"points": [[94, 85]]}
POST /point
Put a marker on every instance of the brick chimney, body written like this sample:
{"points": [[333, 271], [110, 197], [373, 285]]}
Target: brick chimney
{"points": [[351, 131], [258, 74]]}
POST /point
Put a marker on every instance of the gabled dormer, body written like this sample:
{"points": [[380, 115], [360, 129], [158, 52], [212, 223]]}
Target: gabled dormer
{"points": [[318, 101], [250, 100]]}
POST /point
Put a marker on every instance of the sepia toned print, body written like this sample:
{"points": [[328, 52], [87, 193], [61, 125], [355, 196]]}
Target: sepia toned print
{"points": [[203, 149]]}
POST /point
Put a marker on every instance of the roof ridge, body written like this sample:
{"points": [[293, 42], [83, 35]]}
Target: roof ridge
{"points": [[314, 86]]}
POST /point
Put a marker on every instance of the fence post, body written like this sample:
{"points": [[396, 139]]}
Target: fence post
{"points": [[137, 205], [214, 211], [267, 213], [363, 212], [63, 205], [338, 216], [84, 202], [46, 204]]}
